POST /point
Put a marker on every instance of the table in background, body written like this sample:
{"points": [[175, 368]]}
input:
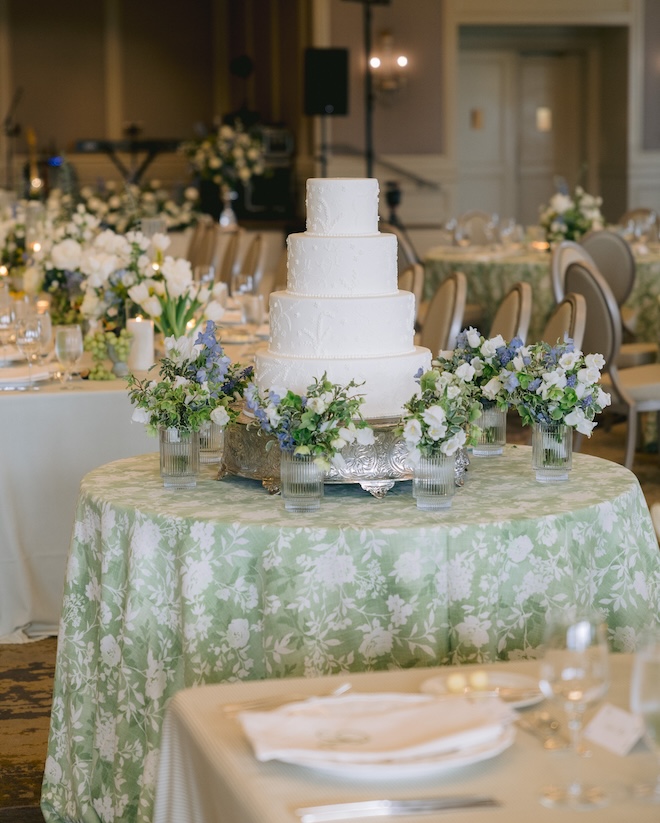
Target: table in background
{"points": [[171, 589], [491, 273], [208, 771], [48, 441]]}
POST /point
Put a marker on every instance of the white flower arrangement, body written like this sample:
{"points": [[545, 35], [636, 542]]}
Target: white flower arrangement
{"points": [[227, 157], [570, 217], [558, 384], [441, 418]]}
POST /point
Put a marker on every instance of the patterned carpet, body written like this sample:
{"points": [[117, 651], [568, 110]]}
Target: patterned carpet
{"points": [[26, 670], [26, 683]]}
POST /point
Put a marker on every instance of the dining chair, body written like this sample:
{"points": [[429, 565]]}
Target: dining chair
{"points": [[412, 279], [615, 261], [567, 320], [635, 389], [406, 254], [229, 256], [444, 317], [477, 226], [201, 250], [514, 313], [563, 254]]}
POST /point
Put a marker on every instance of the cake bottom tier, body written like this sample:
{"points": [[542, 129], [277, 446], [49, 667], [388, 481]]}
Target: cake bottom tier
{"points": [[388, 382]]}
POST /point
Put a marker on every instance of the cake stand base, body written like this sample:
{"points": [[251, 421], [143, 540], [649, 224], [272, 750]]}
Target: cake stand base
{"points": [[374, 468]]}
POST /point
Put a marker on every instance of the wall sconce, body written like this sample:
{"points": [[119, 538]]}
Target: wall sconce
{"points": [[389, 68]]}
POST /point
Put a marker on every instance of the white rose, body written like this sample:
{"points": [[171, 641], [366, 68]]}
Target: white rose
{"points": [[140, 416], [412, 431], [589, 375], [453, 392], [220, 416], [466, 372], [317, 405], [473, 337], [66, 255]]}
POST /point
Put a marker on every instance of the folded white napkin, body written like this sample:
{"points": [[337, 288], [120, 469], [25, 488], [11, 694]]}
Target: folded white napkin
{"points": [[370, 728], [19, 375]]}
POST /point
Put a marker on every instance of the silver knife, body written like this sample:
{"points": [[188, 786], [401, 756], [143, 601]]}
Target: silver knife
{"points": [[392, 808]]}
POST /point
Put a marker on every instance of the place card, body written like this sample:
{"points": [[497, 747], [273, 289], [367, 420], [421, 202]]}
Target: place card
{"points": [[614, 729]]}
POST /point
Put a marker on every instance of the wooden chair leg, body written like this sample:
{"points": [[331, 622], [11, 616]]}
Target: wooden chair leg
{"points": [[631, 439]]}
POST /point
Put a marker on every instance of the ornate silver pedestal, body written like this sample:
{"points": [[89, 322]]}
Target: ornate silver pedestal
{"points": [[375, 468]]}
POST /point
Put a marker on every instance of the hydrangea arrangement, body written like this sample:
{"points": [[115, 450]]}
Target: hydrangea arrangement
{"points": [[227, 157], [558, 384], [320, 422], [197, 383], [569, 217], [441, 418], [483, 364]]}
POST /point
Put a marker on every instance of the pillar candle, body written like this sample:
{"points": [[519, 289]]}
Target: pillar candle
{"points": [[141, 357]]}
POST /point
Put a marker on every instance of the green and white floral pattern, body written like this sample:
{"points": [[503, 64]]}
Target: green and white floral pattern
{"points": [[168, 590], [491, 276]]}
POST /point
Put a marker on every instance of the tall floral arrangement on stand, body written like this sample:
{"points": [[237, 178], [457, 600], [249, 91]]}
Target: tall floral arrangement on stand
{"points": [[227, 157], [569, 217]]}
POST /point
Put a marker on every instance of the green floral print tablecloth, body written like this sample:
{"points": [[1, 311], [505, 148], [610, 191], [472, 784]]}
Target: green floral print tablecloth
{"points": [[169, 589], [490, 275]]}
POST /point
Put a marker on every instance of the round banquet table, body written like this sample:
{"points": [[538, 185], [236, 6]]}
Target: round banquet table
{"points": [[168, 589], [492, 272]]}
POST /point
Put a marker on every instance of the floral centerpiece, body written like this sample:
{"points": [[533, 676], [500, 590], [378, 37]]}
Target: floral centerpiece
{"points": [[227, 157], [173, 300], [441, 418], [558, 391], [569, 217], [319, 423], [197, 383], [558, 384]]}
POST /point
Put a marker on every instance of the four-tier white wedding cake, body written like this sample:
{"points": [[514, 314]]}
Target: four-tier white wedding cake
{"points": [[342, 312]]}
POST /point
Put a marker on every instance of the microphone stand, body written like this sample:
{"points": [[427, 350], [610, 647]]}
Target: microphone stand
{"points": [[11, 130]]}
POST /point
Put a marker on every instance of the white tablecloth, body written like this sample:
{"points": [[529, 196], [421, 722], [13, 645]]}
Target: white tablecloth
{"points": [[48, 441], [208, 773]]}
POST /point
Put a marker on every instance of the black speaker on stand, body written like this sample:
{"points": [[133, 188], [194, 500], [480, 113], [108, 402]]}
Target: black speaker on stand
{"points": [[326, 89]]}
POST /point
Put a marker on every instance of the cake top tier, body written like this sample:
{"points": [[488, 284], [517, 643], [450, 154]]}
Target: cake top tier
{"points": [[342, 205]]}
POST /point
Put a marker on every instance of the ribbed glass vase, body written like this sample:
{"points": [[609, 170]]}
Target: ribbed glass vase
{"points": [[492, 439], [552, 451], [434, 481], [179, 458], [211, 443], [301, 482]]}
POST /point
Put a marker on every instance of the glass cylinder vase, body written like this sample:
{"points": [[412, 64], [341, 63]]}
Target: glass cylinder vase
{"points": [[552, 451], [492, 439], [179, 458], [434, 481], [211, 442], [301, 482]]}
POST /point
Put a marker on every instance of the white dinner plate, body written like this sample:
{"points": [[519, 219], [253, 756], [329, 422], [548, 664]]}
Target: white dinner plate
{"points": [[412, 767], [506, 680]]}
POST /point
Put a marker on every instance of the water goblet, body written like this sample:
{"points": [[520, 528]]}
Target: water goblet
{"points": [[68, 349], [28, 333], [645, 702], [45, 336], [7, 325], [242, 283], [252, 312], [204, 275], [575, 674]]}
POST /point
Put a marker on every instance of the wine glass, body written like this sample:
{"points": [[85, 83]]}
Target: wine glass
{"points": [[252, 312], [68, 349], [7, 324], [575, 674], [645, 701], [28, 335], [45, 336]]}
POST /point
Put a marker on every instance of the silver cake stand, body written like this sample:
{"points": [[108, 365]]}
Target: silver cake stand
{"points": [[375, 468]]}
